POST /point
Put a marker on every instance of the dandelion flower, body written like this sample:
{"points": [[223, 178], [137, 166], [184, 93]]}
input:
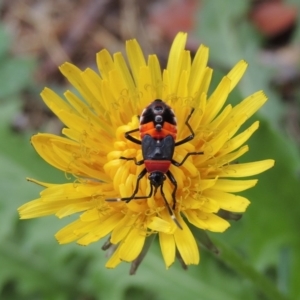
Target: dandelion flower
{"points": [[109, 104]]}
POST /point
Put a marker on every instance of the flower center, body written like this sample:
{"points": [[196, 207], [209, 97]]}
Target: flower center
{"points": [[148, 186]]}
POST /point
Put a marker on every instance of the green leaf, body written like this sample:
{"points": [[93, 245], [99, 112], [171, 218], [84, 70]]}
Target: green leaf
{"points": [[15, 75], [4, 42]]}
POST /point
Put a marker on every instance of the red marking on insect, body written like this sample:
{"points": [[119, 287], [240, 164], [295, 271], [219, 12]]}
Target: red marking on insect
{"points": [[158, 120], [157, 165]]}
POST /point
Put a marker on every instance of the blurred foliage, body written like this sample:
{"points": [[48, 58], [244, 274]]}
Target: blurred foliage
{"points": [[15, 72], [265, 240]]}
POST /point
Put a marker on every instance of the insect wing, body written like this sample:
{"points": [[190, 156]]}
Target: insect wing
{"points": [[154, 149]]}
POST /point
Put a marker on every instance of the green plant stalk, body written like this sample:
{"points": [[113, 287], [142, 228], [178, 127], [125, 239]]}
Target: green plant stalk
{"points": [[238, 264]]}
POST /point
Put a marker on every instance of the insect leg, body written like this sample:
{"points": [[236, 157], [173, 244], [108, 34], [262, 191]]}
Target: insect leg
{"points": [[131, 138], [133, 197], [174, 182], [138, 163], [192, 135], [177, 164], [170, 211]]}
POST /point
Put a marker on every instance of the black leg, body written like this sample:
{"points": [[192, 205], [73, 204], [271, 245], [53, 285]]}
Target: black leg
{"points": [[132, 197], [170, 211], [131, 138], [190, 137], [138, 163], [177, 164], [174, 182]]}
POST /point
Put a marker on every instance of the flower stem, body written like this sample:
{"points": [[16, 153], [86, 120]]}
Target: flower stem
{"points": [[237, 263]]}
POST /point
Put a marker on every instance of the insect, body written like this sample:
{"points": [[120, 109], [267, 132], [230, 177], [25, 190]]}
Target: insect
{"points": [[158, 130]]}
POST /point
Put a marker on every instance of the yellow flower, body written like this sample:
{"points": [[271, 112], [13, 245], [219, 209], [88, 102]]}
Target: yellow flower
{"points": [[94, 140]]}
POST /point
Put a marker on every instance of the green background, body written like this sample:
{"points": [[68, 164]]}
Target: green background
{"points": [[260, 254]]}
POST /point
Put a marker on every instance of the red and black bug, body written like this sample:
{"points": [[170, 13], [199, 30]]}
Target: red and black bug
{"points": [[158, 130]]}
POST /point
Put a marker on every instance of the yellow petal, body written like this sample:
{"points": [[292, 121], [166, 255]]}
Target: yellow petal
{"points": [[145, 87], [237, 73], [122, 67], [90, 215], [206, 81], [215, 124], [88, 116], [240, 139], [167, 246], [114, 260], [122, 228], [156, 75], [216, 100], [186, 244], [160, 225], [212, 222], [93, 82], [135, 57], [38, 208], [228, 201], [73, 74], [250, 105], [66, 234], [175, 59], [59, 192], [133, 244], [204, 184], [197, 71], [104, 227], [75, 208], [228, 158], [233, 186], [41, 183], [56, 103], [193, 218], [246, 169], [105, 63]]}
